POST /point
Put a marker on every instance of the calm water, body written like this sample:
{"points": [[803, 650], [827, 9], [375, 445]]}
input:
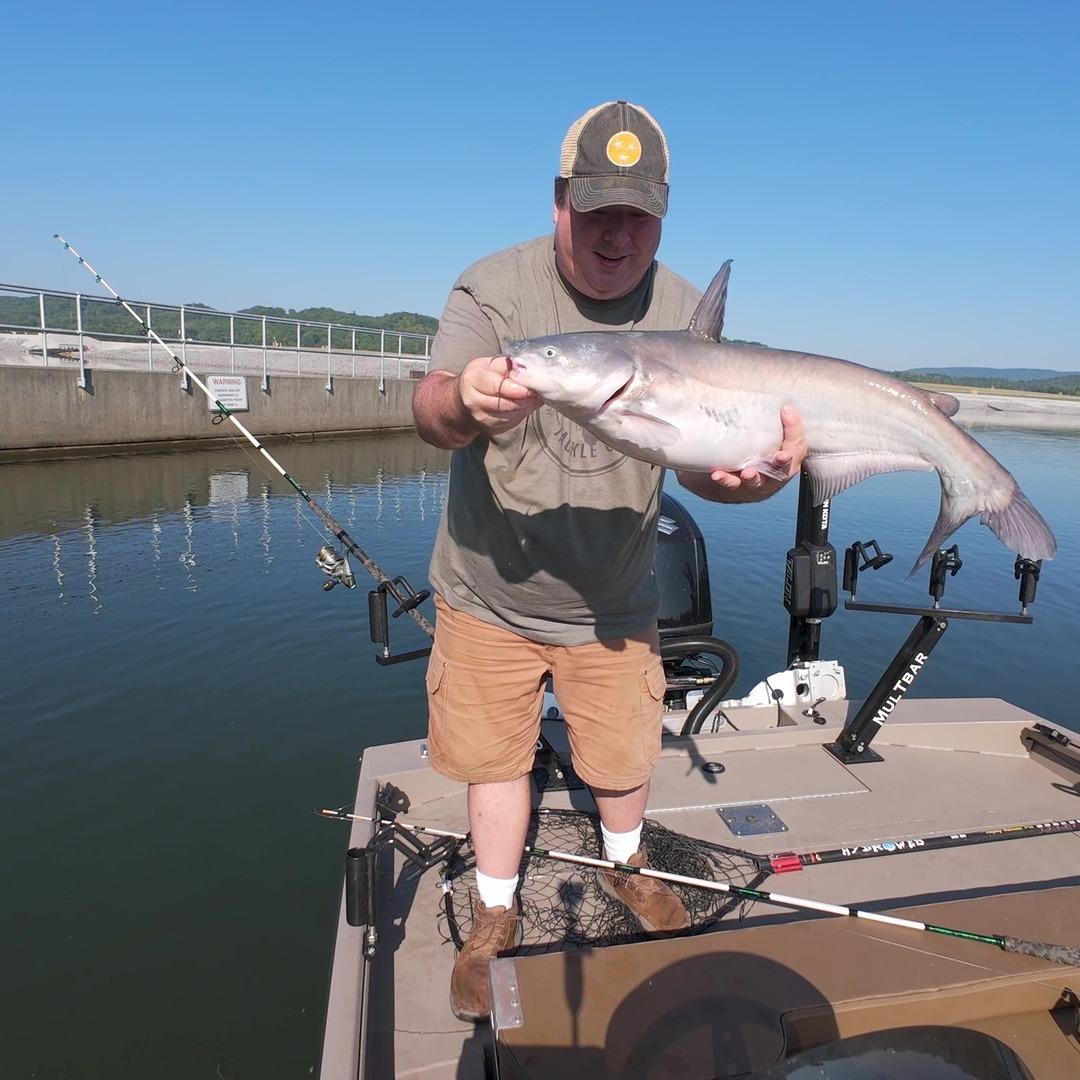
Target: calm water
{"points": [[178, 692]]}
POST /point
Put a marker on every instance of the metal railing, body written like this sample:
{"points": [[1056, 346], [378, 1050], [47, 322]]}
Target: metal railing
{"points": [[266, 344]]}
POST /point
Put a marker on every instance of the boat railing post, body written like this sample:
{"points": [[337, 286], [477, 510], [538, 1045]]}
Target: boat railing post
{"points": [[185, 382], [44, 333], [79, 331], [265, 378]]}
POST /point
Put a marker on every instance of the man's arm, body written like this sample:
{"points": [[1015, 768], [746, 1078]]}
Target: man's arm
{"points": [[750, 485]]}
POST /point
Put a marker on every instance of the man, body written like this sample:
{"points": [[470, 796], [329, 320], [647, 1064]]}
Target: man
{"points": [[543, 561]]}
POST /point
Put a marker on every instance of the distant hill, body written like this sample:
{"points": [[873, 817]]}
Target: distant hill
{"points": [[1012, 374], [1034, 380], [406, 321]]}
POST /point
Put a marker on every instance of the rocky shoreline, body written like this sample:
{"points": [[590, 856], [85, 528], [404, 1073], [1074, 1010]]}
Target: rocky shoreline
{"points": [[982, 409]]}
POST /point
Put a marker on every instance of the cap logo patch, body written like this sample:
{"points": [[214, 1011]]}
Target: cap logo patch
{"points": [[624, 149]]}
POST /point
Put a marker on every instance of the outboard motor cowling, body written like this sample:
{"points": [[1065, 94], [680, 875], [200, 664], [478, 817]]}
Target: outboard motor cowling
{"points": [[700, 669], [682, 574]]}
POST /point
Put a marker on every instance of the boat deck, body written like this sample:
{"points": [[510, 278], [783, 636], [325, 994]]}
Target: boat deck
{"points": [[950, 766]]}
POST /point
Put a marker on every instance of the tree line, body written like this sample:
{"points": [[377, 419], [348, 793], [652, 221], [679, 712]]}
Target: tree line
{"points": [[1060, 384]]}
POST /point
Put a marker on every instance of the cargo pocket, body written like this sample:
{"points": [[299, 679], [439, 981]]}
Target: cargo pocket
{"points": [[437, 680], [653, 688]]}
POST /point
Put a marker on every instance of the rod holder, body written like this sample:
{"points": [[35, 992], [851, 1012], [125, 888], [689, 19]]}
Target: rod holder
{"points": [[361, 884]]}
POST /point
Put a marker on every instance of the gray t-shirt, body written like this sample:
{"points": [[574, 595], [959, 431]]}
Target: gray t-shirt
{"points": [[547, 531]]}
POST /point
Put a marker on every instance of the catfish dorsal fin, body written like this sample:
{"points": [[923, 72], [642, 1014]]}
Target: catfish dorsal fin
{"points": [[708, 320], [945, 403]]}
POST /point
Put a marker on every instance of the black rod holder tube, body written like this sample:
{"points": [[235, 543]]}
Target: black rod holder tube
{"points": [[360, 867], [378, 619]]}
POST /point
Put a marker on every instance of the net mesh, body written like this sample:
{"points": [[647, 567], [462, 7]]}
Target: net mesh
{"points": [[562, 906]]}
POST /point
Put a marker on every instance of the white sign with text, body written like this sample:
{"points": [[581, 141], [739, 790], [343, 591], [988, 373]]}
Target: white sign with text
{"points": [[230, 390]]}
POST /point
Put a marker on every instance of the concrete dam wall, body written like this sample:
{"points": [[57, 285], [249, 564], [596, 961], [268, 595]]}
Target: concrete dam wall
{"points": [[44, 412]]}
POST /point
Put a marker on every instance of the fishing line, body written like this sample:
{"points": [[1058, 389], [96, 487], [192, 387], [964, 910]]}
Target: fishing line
{"points": [[224, 413], [1061, 954]]}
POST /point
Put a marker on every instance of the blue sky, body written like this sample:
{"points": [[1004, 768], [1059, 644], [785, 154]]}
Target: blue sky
{"points": [[897, 183]]}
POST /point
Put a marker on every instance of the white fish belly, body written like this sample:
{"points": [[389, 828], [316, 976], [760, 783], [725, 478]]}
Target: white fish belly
{"points": [[720, 430]]}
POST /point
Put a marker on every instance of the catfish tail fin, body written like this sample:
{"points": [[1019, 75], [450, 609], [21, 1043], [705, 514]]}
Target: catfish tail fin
{"points": [[1017, 524], [950, 517]]}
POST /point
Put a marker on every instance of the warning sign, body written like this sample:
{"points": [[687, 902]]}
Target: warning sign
{"points": [[230, 390]]}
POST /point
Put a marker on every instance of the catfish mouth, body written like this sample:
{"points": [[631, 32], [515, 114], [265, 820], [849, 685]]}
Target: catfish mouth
{"points": [[614, 397]]}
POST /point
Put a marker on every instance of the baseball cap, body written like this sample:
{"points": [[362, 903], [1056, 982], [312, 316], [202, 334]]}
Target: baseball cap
{"points": [[616, 155]]}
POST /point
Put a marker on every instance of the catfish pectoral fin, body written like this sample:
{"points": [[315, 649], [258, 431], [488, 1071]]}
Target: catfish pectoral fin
{"points": [[647, 431], [765, 467]]}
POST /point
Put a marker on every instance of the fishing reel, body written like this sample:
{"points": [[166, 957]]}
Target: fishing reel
{"points": [[336, 567]]}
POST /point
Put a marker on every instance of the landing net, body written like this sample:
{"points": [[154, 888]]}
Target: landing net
{"points": [[562, 906]]}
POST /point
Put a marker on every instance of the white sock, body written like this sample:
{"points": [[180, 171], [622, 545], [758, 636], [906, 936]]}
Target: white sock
{"points": [[496, 892], [619, 846]]}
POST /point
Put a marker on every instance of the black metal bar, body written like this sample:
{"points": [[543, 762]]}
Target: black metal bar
{"points": [[853, 745], [948, 613]]}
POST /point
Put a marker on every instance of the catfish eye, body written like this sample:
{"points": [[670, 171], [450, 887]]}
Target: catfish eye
{"points": [[550, 352]]}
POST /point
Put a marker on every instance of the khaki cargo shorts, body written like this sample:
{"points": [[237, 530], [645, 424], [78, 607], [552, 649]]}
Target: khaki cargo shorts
{"points": [[486, 686]]}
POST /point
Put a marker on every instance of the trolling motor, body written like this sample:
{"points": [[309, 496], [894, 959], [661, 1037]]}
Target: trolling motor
{"points": [[853, 744], [809, 577]]}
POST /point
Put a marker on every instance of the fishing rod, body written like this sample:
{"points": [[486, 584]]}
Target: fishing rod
{"points": [[330, 563], [1061, 954], [785, 862]]}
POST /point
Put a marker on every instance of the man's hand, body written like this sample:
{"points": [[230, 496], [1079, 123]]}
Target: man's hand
{"points": [[492, 399], [751, 485], [451, 410]]}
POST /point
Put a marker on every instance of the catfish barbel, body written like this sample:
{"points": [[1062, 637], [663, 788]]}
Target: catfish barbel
{"points": [[687, 400]]}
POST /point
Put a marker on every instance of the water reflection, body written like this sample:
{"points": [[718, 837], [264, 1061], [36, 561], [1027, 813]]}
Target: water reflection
{"points": [[57, 568], [91, 558], [187, 556], [264, 538], [199, 511]]}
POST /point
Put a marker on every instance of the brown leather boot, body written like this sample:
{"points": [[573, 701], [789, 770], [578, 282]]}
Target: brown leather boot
{"points": [[494, 930], [657, 908]]}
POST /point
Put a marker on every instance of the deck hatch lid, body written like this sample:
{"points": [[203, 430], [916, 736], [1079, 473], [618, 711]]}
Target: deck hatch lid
{"points": [[754, 820]]}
